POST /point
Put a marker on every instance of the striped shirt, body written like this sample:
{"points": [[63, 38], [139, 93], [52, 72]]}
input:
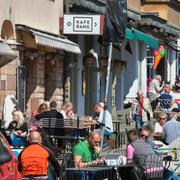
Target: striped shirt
{"points": [[171, 130]]}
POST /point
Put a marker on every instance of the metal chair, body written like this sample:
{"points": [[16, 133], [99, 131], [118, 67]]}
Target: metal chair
{"points": [[148, 166]]}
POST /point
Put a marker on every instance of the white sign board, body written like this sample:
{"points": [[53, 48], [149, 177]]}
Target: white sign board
{"points": [[178, 44], [82, 24]]}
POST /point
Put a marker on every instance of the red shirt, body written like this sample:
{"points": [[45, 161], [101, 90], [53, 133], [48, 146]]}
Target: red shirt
{"points": [[141, 106]]}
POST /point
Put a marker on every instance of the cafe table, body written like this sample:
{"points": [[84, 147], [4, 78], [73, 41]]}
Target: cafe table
{"points": [[171, 158], [90, 173]]}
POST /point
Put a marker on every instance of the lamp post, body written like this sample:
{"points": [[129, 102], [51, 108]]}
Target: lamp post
{"points": [[98, 74], [106, 92]]}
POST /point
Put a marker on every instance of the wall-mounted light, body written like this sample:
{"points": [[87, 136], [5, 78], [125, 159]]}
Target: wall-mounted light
{"points": [[49, 56], [31, 53], [52, 57]]}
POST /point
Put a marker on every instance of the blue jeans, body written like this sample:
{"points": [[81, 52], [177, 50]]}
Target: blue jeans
{"points": [[168, 175], [17, 141], [106, 132], [138, 120]]}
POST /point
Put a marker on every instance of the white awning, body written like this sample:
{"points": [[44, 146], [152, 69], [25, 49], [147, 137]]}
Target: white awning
{"points": [[56, 42], [6, 54]]}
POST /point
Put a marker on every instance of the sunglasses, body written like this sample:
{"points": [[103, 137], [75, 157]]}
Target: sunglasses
{"points": [[144, 136], [162, 118]]}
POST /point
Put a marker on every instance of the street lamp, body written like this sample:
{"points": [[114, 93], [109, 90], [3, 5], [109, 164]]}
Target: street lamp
{"points": [[95, 55]]}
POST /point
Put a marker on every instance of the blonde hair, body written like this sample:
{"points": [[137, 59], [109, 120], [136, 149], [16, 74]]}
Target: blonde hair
{"points": [[21, 119]]}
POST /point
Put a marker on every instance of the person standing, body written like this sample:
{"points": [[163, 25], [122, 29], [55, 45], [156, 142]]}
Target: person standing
{"points": [[155, 87], [166, 98], [140, 110]]}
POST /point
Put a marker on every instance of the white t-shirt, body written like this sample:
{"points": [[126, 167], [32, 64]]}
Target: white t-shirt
{"points": [[64, 114], [158, 128], [108, 119]]}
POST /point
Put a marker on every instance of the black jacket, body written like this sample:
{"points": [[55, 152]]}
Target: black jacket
{"points": [[53, 113]]}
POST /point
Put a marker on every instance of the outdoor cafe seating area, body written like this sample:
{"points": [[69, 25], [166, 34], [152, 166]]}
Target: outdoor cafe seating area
{"points": [[64, 134], [115, 166]]}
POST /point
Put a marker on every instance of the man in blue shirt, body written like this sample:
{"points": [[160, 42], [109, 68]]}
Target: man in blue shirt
{"points": [[166, 98], [171, 129]]}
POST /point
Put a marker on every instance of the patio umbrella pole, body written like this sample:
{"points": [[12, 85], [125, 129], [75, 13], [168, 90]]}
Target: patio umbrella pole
{"points": [[106, 93]]}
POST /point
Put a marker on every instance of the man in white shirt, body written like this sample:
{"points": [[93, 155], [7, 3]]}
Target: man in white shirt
{"points": [[67, 111], [155, 88], [159, 125], [107, 121]]}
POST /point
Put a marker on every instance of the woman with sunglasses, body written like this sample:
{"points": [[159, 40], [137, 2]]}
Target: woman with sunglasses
{"points": [[144, 156], [138, 145]]}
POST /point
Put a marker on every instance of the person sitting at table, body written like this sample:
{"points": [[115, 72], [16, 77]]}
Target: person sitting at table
{"points": [[18, 128], [138, 145], [42, 108], [86, 152], [67, 111], [132, 135], [158, 127], [52, 113], [107, 121], [141, 152], [35, 159], [171, 128]]}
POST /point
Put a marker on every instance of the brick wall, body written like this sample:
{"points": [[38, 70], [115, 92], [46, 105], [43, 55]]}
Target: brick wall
{"points": [[54, 81], [7, 82], [34, 83], [44, 82]]}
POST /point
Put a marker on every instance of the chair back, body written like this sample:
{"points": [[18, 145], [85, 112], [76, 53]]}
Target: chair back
{"points": [[150, 166]]}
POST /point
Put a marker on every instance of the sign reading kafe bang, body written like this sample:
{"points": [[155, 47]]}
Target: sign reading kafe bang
{"points": [[83, 24]]}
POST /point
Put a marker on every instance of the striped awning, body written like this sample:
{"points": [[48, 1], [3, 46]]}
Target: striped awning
{"points": [[56, 42], [48, 39]]}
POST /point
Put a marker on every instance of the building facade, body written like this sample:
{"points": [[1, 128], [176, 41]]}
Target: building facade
{"points": [[51, 67], [32, 31], [150, 24]]}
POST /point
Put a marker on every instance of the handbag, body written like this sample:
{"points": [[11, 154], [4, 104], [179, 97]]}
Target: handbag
{"points": [[148, 115]]}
